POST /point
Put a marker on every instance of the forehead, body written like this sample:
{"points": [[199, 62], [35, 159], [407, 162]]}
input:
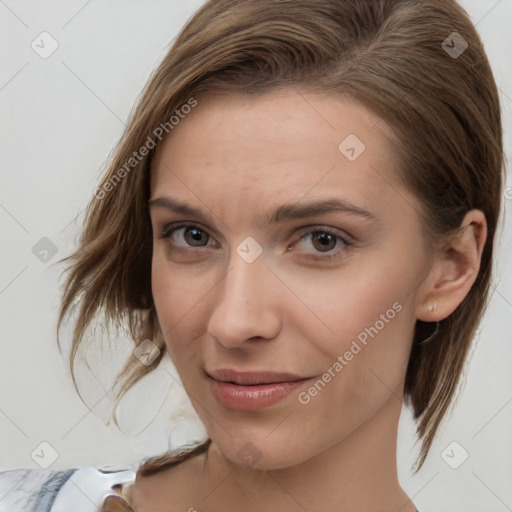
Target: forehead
{"points": [[285, 145]]}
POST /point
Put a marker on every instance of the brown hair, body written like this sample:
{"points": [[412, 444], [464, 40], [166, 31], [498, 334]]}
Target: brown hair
{"points": [[397, 58]]}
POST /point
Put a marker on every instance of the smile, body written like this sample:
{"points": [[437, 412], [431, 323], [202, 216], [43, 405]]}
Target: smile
{"points": [[252, 390]]}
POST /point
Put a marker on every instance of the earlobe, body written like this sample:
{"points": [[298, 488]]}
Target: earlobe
{"points": [[432, 306], [455, 270]]}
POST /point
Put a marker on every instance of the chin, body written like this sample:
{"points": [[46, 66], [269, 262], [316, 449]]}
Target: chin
{"points": [[259, 452]]}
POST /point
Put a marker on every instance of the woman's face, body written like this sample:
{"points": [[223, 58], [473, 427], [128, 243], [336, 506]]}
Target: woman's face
{"points": [[286, 266]]}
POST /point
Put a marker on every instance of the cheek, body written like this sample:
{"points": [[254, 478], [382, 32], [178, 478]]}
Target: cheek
{"points": [[363, 363], [172, 298], [177, 289], [179, 294], [365, 316], [367, 295]]}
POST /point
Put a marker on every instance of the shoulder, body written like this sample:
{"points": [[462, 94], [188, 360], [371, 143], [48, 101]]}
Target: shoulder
{"points": [[31, 489], [80, 489]]}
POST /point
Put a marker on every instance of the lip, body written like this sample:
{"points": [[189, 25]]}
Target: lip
{"points": [[252, 390]]}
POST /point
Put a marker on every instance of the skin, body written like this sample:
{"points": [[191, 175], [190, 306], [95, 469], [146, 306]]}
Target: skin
{"points": [[237, 159]]}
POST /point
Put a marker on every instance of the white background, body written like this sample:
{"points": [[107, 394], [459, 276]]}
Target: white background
{"points": [[60, 118]]}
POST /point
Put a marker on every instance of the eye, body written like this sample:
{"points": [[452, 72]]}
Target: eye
{"points": [[322, 243], [326, 243], [187, 235]]}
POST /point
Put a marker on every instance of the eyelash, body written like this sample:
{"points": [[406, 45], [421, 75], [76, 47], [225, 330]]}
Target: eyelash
{"points": [[168, 231]]}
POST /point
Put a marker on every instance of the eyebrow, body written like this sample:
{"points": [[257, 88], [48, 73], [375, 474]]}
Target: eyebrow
{"points": [[281, 214]]}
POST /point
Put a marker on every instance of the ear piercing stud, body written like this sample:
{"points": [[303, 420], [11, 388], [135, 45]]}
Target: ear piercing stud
{"points": [[432, 306]]}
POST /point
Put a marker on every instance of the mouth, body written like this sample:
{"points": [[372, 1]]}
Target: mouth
{"points": [[255, 378], [252, 390]]}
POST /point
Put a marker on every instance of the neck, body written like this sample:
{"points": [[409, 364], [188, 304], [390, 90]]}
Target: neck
{"points": [[358, 474]]}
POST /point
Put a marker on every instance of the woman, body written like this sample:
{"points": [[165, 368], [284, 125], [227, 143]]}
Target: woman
{"points": [[302, 212]]}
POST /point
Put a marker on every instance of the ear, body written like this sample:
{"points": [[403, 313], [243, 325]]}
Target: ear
{"points": [[454, 270]]}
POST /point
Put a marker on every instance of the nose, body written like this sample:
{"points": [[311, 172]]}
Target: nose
{"points": [[245, 304]]}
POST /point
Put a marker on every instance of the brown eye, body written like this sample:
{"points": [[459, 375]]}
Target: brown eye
{"points": [[188, 236], [323, 241], [195, 237]]}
